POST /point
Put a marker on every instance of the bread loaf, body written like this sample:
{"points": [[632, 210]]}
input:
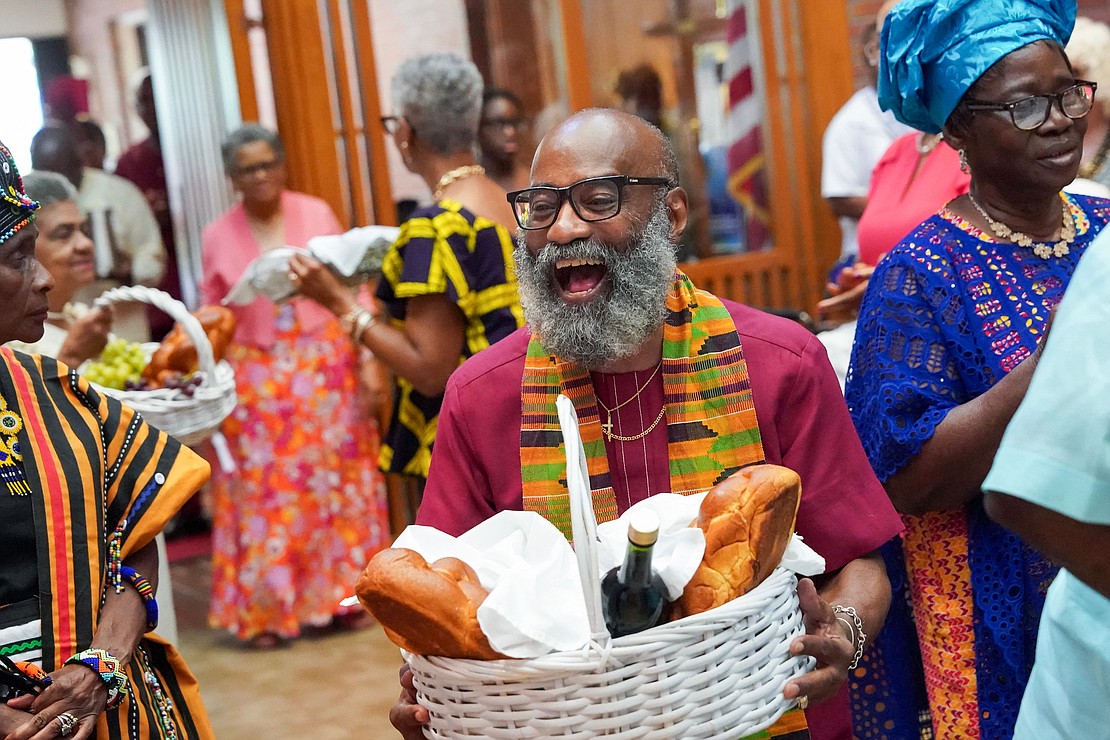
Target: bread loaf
{"points": [[426, 609], [748, 520], [178, 354]]}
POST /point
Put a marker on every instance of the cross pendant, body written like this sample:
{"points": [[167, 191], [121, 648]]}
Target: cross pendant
{"points": [[607, 429]]}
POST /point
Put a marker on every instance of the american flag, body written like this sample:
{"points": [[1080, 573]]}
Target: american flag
{"points": [[747, 179]]}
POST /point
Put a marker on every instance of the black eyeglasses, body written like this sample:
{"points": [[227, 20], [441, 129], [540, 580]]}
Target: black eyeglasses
{"points": [[390, 123], [593, 199], [1029, 114]]}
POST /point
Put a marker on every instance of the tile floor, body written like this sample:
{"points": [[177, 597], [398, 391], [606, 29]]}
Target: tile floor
{"points": [[325, 686]]}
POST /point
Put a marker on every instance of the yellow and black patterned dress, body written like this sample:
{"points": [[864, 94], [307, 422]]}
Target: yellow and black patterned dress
{"points": [[445, 249]]}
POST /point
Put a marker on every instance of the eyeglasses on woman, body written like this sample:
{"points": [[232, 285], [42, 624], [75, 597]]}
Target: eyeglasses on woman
{"points": [[1029, 114]]}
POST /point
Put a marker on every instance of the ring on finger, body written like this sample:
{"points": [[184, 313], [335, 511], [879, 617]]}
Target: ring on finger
{"points": [[67, 723], [293, 277], [803, 702]]}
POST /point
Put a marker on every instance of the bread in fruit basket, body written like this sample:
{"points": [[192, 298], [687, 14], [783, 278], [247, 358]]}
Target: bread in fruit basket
{"points": [[427, 609], [178, 354], [748, 520]]}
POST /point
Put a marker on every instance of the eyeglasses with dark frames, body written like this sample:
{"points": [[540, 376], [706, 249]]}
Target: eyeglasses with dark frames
{"points": [[390, 123], [1029, 114], [593, 199]]}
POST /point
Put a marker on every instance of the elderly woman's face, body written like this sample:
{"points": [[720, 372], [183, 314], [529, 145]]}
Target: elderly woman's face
{"points": [[23, 287], [1046, 158], [63, 248], [259, 174]]}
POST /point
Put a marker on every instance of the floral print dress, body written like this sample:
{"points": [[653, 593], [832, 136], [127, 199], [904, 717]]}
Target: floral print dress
{"points": [[297, 522]]}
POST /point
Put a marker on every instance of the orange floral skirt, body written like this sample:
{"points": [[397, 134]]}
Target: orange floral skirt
{"points": [[295, 525]]}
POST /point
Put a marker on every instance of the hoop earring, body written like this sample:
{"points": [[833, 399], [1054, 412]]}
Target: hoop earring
{"points": [[964, 166]]}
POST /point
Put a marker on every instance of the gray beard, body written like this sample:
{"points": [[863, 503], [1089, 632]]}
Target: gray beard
{"points": [[611, 327]]}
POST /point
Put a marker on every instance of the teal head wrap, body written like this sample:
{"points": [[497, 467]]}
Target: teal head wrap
{"points": [[934, 50]]}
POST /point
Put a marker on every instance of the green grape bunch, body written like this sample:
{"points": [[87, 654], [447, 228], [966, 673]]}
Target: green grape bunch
{"points": [[120, 366]]}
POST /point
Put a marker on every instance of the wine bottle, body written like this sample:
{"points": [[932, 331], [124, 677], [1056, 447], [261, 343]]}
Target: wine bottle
{"points": [[633, 595]]}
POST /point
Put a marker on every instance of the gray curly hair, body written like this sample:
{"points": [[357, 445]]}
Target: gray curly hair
{"points": [[48, 187], [249, 133], [440, 95]]}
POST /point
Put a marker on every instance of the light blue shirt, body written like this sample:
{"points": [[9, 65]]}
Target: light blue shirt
{"points": [[1056, 454]]}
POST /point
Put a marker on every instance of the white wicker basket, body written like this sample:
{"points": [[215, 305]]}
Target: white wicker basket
{"points": [[189, 419], [719, 674]]}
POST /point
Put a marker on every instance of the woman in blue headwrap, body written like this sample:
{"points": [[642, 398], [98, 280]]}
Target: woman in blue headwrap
{"points": [[949, 334]]}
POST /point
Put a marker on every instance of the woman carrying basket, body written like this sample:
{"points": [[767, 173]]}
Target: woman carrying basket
{"points": [[296, 523], [87, 485]]}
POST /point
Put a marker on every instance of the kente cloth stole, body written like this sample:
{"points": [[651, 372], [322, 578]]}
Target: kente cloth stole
{"points": [[711, 425]]}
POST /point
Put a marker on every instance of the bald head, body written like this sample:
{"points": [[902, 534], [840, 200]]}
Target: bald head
{"points": [[54, 149], [628, 143]]}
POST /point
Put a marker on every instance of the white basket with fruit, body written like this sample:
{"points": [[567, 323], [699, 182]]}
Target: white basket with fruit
{"points": [[187, 405], [719, 673]]}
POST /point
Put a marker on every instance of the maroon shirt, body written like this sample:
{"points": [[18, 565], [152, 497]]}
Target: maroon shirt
{"points": [[804, 423]]}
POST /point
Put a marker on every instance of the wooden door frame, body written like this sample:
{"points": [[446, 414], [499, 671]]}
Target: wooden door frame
{"points": [[807, 77]]}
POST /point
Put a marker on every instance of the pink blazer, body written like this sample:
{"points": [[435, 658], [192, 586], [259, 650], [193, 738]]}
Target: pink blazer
{"points": [[228, 247]]}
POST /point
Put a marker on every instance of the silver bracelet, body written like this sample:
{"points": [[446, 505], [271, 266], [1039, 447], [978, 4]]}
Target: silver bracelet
{"points": [[859, 637]]}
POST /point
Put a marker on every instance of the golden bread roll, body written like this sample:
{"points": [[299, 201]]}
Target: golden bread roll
{"points": [[177, 354], [748, 520], [426, 609]]}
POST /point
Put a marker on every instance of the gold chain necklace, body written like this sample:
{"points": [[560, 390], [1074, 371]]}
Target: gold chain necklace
{"points": [[607, 427], [1043, 250], [450, 176]]}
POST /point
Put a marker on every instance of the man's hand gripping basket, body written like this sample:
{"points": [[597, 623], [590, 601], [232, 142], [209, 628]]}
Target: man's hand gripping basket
{"points": [[719, 674], [189, 419]]}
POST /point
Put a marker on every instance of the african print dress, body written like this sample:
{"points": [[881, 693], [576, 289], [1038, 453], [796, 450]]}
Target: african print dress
{"points": [[94, 477], [297, 522], [948, 313], [444, 249]]}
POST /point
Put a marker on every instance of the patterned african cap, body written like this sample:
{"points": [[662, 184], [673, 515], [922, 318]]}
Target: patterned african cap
{"points": [[934, 50], [16, 209]]}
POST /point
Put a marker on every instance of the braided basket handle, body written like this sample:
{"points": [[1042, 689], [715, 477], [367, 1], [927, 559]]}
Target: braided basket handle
{"points": [[170, 305]]}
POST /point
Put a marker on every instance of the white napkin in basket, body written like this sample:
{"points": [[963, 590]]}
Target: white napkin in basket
{"points": [[680, 548], [535, 605], [678, 551]]}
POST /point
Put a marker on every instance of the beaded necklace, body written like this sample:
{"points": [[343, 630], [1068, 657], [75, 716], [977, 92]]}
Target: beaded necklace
{"points": [[1041, 249], [11, 458]]}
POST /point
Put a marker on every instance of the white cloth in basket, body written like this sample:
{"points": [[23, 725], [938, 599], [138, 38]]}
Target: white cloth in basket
{"points": [[535, 605], [680, 547]]}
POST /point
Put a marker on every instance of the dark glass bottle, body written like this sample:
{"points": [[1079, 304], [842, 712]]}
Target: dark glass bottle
{"points": [[633, 595]]}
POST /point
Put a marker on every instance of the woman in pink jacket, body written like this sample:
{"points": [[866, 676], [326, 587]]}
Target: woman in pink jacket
{"points": [[305, 511]]}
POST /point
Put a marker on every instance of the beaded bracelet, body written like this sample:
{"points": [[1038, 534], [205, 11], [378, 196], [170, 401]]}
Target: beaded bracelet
{"points": [[145, 590], [109, 670]]}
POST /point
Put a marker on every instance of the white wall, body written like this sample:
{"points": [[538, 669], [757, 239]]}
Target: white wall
{"points": [[32, 19], [407, 29]]}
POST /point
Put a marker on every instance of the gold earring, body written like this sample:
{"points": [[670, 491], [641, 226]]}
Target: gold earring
{"points": [[964, 166]]}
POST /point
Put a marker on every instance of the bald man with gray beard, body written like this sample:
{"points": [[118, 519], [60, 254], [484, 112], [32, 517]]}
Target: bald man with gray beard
{"points": [[667, 380]]}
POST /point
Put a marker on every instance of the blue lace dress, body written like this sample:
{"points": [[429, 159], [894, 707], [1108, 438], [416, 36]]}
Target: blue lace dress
{"points": [[948, 313]]}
